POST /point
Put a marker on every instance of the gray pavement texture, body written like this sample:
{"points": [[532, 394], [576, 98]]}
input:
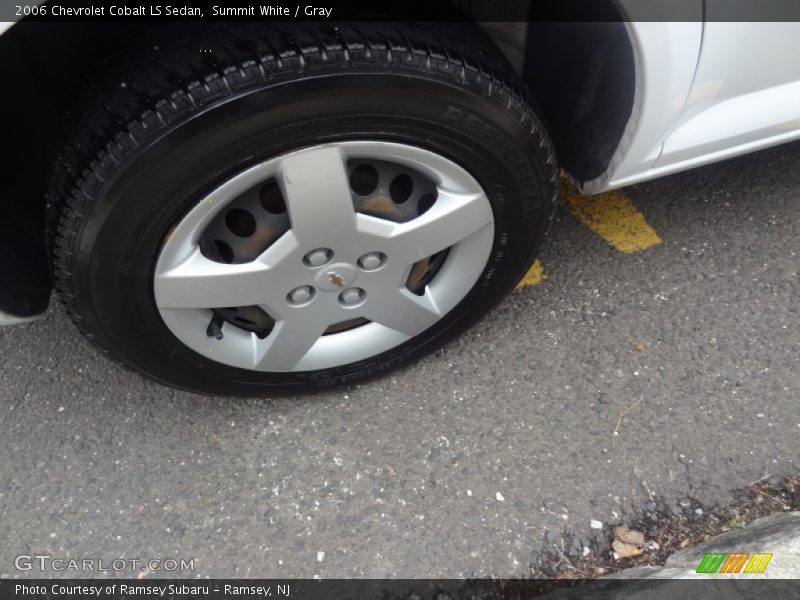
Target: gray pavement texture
{"points": [[469, 463]]}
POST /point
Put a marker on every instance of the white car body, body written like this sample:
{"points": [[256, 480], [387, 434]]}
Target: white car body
{"points": [[706, 92]]}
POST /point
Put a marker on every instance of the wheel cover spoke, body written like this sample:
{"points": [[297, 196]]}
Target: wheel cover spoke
{"points": [[318, 195], [289, 342], [453, 218], [403, 311], [198, 282], [202, 283]]}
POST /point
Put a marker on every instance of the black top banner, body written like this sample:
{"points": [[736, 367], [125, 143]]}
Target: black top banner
{"points": [[402, 10]]}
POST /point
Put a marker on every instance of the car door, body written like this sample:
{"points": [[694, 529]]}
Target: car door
{"points": [[745, 94]]}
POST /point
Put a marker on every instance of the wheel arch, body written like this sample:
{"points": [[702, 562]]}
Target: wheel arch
{"points": [[51, 63], [585, 88]]}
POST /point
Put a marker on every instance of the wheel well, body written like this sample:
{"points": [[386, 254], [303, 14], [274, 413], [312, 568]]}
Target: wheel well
{"points": [[582, 76]]}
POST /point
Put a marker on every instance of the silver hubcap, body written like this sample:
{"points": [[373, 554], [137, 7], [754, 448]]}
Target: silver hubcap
{"points": [[330, 281]]}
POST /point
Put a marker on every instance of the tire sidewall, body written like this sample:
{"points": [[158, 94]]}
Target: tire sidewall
{"points": [[158, 183]]}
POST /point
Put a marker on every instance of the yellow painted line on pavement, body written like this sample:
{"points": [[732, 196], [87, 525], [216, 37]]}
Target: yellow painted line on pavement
{"points": [[612, 216], [534, 276]]}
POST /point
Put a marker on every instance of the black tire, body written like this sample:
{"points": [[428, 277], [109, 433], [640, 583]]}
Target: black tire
{"points": [[178, 121]]}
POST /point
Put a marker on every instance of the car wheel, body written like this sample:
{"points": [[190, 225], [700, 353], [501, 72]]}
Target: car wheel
{"points": [[298, 207]]}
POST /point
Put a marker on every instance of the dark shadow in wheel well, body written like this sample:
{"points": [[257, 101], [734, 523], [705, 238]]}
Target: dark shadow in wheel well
{"points": [[583, 77], [44, 69]]}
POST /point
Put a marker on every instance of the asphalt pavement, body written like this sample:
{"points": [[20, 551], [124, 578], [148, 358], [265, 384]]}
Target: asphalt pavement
{"points": [[471, 462]]}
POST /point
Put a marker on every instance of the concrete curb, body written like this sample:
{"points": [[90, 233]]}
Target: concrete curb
{"points": [[778, 534]]}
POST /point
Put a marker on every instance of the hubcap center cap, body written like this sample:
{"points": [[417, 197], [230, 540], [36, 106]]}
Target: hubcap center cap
{"points": [[335, 277]]}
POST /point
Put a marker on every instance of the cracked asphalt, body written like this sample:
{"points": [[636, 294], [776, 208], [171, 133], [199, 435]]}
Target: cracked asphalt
{"points": [[470, 463]]}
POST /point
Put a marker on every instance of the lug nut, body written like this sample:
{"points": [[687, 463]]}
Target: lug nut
{"points": [[372, 261], [300, 295], [352, 296], [318, 257]]}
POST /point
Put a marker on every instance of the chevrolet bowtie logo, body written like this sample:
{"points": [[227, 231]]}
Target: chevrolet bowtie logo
{"points": [[335, 279]]}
